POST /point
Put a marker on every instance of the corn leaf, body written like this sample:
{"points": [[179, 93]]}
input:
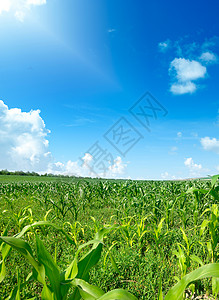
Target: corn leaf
{"points": [[176, 292], [117, 294]]}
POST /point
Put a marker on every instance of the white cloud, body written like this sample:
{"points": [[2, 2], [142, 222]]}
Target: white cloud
{"points": [[85, 168], [23, 139], [59, 164], [208, 57], [209, 144], [187, 70], [87, 159], [118, 167], [5, 5], [183, 88], [179, 134], [190, 62], [194, 169], [184, 71], [165, 175], [163, 46], [24, 146], [190, 163], [19, 7]]}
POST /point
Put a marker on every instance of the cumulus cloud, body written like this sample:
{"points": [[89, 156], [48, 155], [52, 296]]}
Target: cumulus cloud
{"points": [[190, 62], [210, 144], [183, 88], [184, 72], [85, 168], [117, 167], [23, 139], [208, 57], [194, 169], [19, 7], [73, 168], [187, 70], [24, 146]]}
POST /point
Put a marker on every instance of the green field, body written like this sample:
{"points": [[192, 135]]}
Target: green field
{"points": [[146, 236]]}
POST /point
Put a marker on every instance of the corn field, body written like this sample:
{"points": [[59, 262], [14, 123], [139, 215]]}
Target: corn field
{"points": [[109, 239]]}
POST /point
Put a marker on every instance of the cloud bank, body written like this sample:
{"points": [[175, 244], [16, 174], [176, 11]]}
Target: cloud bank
{"points": [[24, 146]]}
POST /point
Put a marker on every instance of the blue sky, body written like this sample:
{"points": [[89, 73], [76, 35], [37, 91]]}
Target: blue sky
{"points": [[70, 70]]}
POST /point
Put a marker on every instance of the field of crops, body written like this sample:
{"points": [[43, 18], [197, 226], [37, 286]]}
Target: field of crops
{"points": [[81, 239]]}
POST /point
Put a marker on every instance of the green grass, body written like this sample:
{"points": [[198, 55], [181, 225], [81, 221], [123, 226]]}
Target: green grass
{"points": [[144, 248]]}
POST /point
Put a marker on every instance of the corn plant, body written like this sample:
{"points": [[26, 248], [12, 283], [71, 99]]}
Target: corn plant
{"points": [[185, 256], [76, 231], [76, 274], [212, 225], [127, 231]]}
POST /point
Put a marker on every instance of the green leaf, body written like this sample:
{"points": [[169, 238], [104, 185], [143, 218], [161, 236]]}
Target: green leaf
{"points": [[5, 249], [214, 179], [88, 261], [203, 226], [88, 291], [2, 271], [118, 294], [113, 262], [196, 259], [185, 237], [215, 286], [17, 244], [44, 223], [100, 234], [51, 268], [160, 294], [24, 248], [72, 271], [176, 292], [46, 294]]}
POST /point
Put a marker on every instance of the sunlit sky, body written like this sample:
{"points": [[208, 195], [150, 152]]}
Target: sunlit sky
{"points": [[72, 70]]}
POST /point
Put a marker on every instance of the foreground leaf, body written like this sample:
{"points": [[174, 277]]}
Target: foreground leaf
{"points": [[118, 294], [176, 292]]}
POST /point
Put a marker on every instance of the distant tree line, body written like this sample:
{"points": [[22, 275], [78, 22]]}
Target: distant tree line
{"points": [[22, 173]]}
